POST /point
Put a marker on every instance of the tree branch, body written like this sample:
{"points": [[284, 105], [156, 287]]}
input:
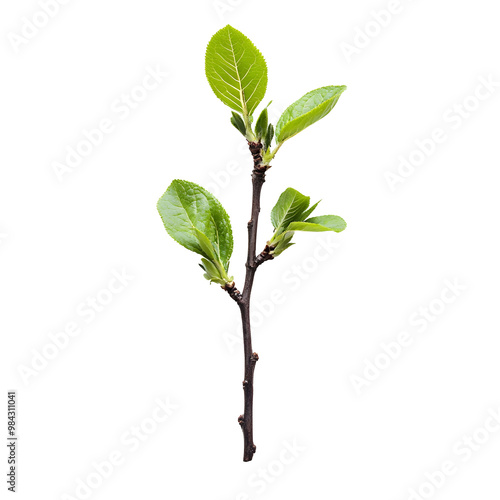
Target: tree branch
{"points": [[246, 420], [243, 299]]}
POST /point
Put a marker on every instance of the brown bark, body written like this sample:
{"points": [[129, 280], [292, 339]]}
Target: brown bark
{"points": [[243, 300]]}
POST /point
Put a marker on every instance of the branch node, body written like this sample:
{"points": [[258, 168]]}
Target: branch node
{"points": [[256, 150], [260, 171], [233, 292], [241, 420], [263, 256], [254, 357]]}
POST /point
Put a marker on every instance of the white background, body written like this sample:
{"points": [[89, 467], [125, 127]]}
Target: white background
{"points": [[168, 334]]}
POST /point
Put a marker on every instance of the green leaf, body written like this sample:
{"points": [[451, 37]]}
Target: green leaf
{"points": [[261, 125], [236, 70], [290, 206], [206, 245], [209, 267], [282, 244], [238, 122], [291, 214], [213, 273], [269, 136], [194, 218], [321, 223], [307, 110], [309, 211]]}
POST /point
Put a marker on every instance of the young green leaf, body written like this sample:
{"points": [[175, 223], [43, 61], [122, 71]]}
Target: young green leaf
{"points": [[236, 70], [321, 223], [269, 137], [290, 206], [209, 267], [261, 125], [206, 245], [213, 273], [291, 214], [195, 219], [282, 244], [309, 211], [238, 122], [307, 110]]}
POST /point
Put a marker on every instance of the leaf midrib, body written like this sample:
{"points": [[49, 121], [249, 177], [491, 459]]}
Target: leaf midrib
{"points": [[286, 212], [242, 100]]}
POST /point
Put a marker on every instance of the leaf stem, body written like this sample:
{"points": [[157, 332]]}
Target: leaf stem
{"points": [[249, 136], [268, 158]]}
